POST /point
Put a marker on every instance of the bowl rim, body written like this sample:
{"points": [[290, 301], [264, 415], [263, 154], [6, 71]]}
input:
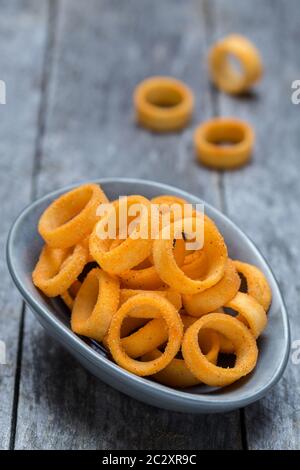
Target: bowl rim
{"points": [[89, 354]]}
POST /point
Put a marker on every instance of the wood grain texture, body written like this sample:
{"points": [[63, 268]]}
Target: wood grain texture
{"points": [[22, 23], [102, 51], [263, 198]]}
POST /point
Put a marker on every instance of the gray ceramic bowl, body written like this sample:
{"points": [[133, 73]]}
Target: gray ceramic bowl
{"points": [[23, 247]]}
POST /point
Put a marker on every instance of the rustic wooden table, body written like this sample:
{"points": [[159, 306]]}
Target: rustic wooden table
{"points": [[70, 68]]}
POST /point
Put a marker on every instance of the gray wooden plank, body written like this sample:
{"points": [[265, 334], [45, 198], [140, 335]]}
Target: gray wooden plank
{"points": [[22, 40], [103, 50], [264, 196]]}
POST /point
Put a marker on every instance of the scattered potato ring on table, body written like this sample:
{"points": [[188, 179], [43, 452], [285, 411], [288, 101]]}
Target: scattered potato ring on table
{"points": [[131, 251], [244, 343], [257, 284], [71, 217], [216, 296], [154, 307], [163, 104], [95, 304], [222, 72], [250, 312], [176, 374], [57, 269], [209, 137], [167, 268]]}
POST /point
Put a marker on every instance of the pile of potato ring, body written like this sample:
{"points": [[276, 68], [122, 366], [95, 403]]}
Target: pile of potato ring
{"points": [[159, 309]]}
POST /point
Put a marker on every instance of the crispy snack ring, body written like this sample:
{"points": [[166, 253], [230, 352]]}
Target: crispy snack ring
{"points": [[223, 73], [257, 284], [171, 207], [226, 345], [208, 139], [195, 265], [177, 374], [148, 337], [244, 343], [214, 248], [153, 306], [132, 250], [69, 296], [71, 217], [172, 296], [148, 278], [250, 312], [57, 269], [95, 304], [163, 104], [151, 335], [216, 296]]}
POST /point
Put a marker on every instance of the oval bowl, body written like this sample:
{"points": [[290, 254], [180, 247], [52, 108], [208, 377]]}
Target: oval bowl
{"points": [[23, 247]]}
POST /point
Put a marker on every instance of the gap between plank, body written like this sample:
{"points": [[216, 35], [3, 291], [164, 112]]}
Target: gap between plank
{"points": [[41, 125], [209, 25]]}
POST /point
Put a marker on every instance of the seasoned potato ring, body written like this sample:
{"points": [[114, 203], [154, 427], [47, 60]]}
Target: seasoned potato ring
{"points": [[163, 104], [250, 312], [177, 374], [173, 296], [168, 270], [132, 250], [57, 269], [257, 284], [148, 278], [71, 217], [216, 296], [146, 306], [244, 343], [223, 73], [209, 135], [95, 304]]}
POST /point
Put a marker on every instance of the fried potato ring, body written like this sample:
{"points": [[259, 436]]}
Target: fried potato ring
{"points": [[163, 104], [223, 73], [131, 251], [57, 269], [146, 306], [214, 248], [173, 205], [226, 345], [216, 296], [244, 343], [173, 296], [95, 304], [148, 278], [150, 336], [250, 312], [69, 296], [210, 135], [195, 265], [71, 217], [177, 374], [257, 284]]}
